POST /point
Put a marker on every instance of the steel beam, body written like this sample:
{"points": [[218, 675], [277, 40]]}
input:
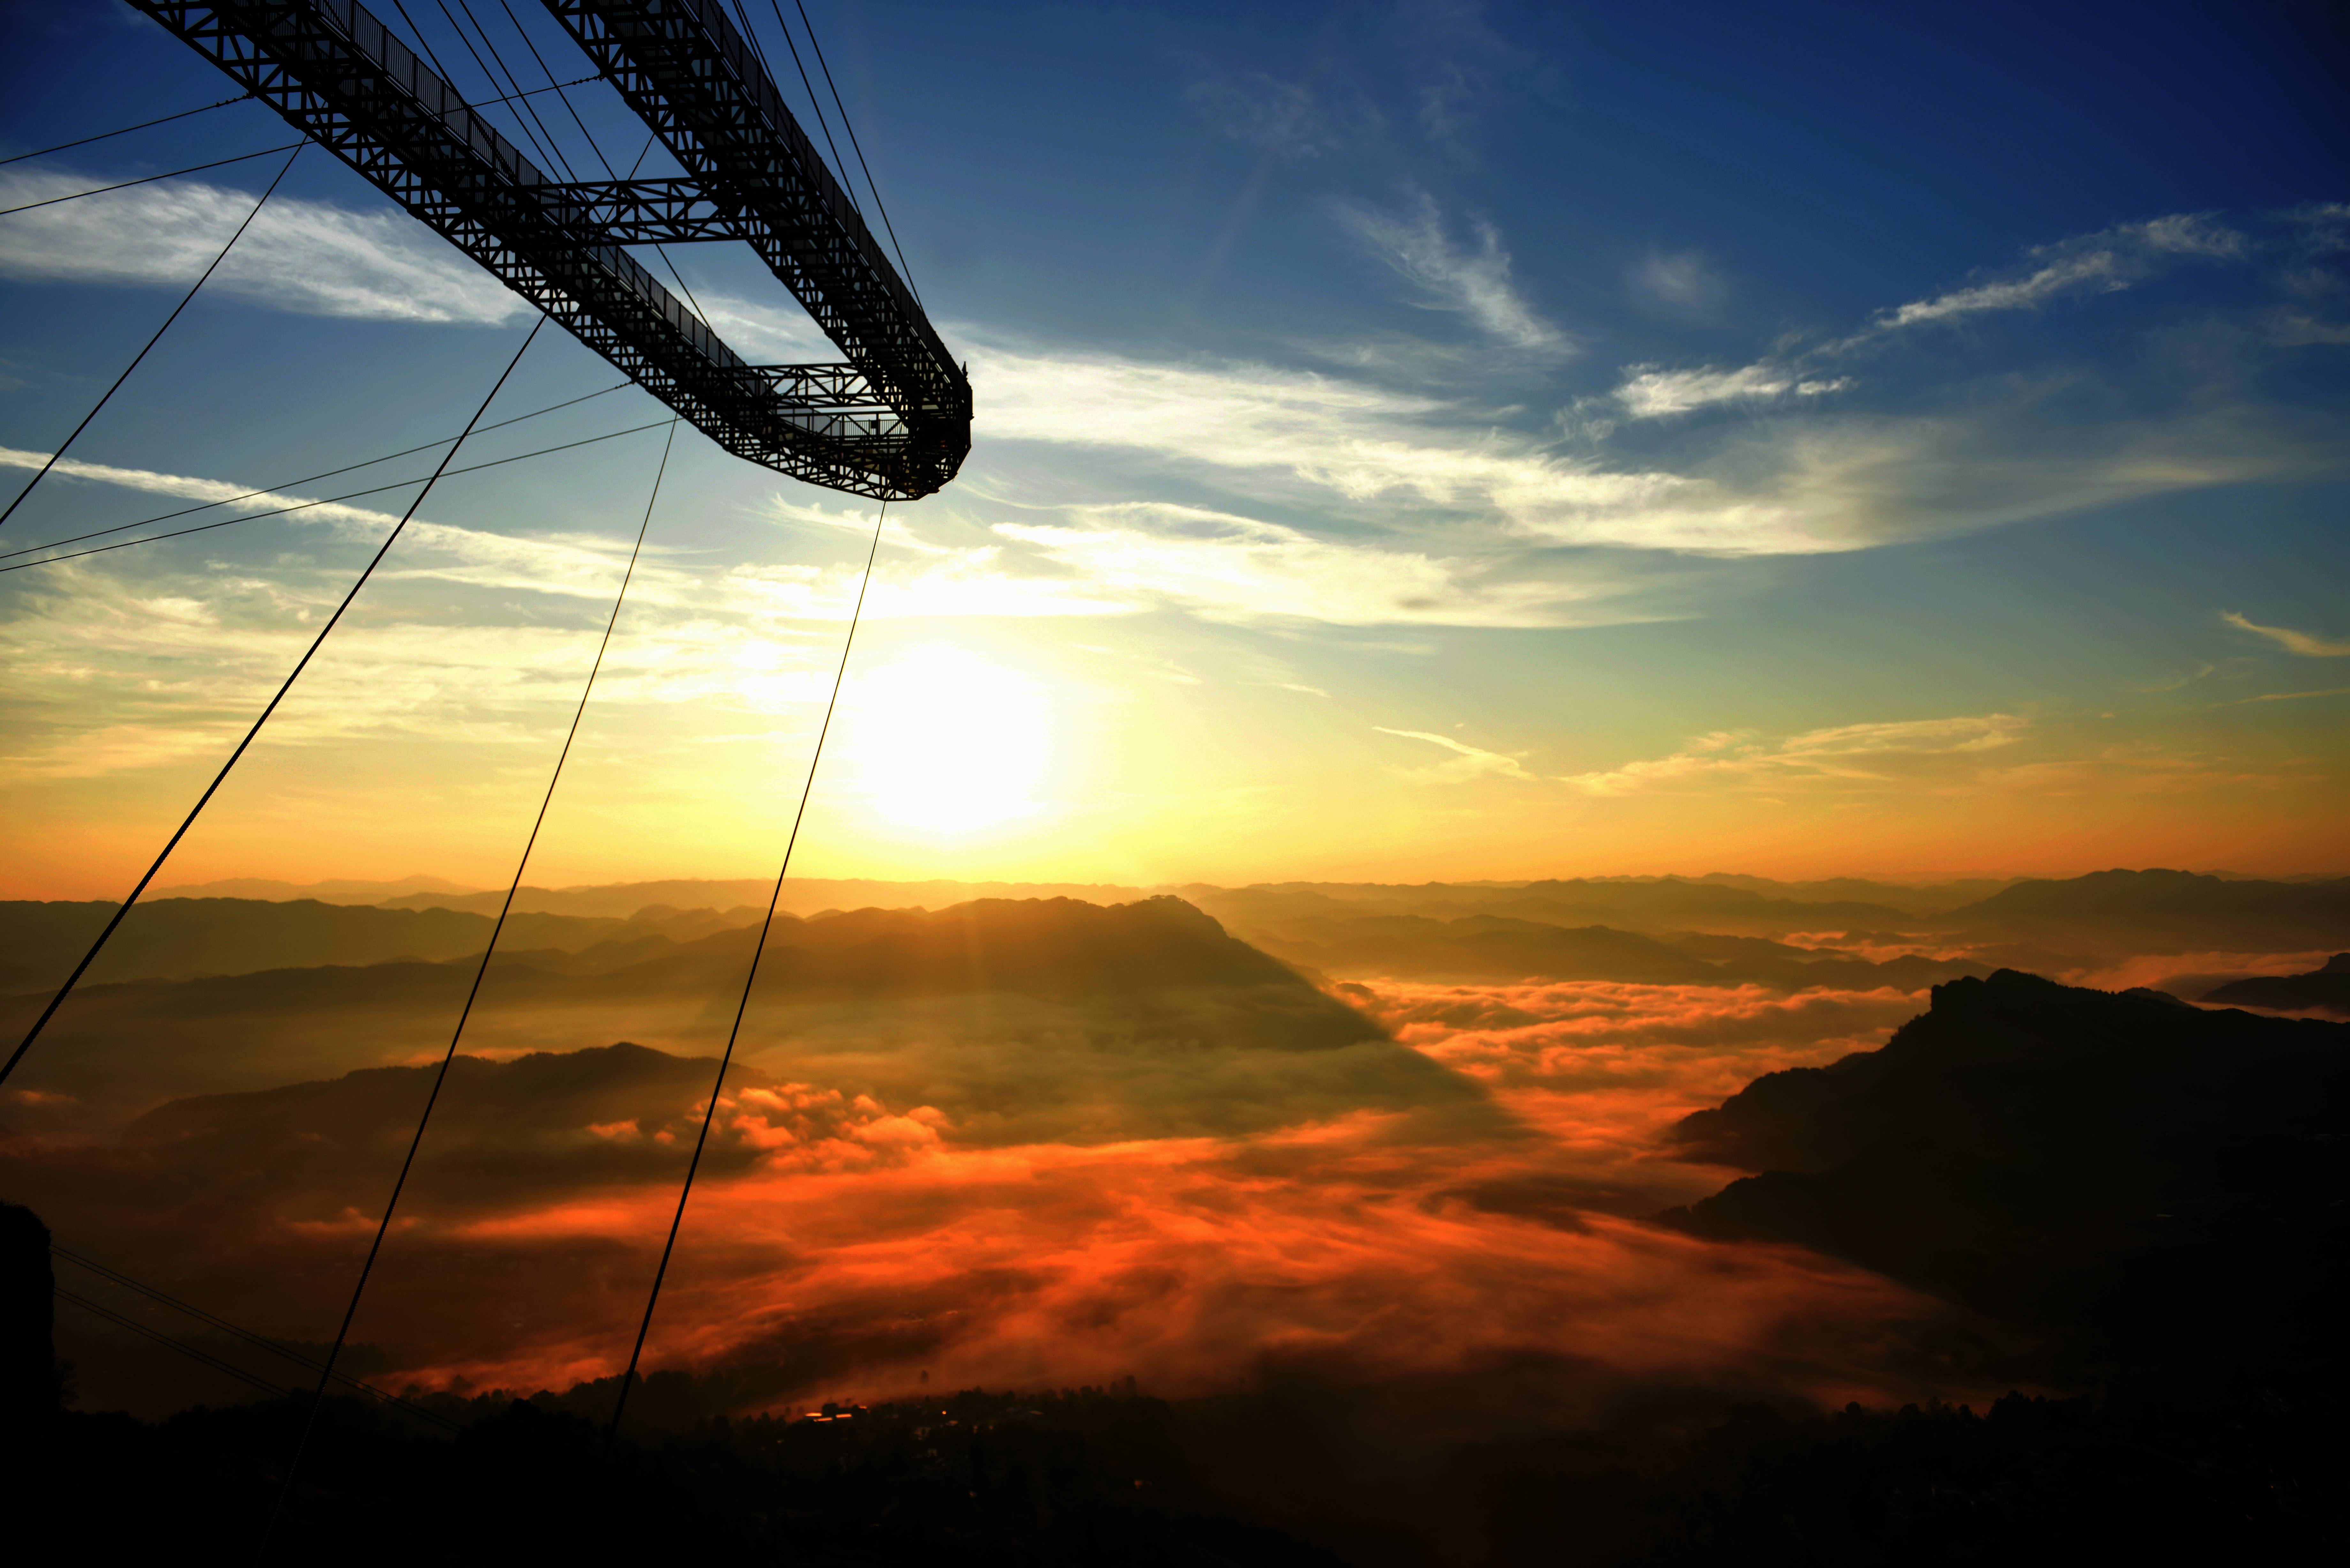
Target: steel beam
{"points": [[893, 422], [647, 212]]}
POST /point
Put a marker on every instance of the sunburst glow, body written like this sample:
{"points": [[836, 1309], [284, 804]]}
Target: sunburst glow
{"points": [[947, 742]]}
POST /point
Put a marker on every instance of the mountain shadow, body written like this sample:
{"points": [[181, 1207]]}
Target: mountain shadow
{"points": [[2159, 1187]]}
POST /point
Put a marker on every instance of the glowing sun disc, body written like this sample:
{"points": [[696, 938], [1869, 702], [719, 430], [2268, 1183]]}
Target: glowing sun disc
{"points": [[947, 742]]}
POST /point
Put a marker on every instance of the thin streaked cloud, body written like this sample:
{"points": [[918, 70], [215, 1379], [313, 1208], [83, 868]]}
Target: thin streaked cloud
{"points": [[1226, 567], [1467, 762], [1474, 283], [307, 258], [1847, 754], [2102, 262], [1650, 391], [2308, 645]]}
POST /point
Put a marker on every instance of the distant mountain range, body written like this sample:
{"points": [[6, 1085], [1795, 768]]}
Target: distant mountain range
{"points": [[908, 1001], [2175, 911], [189, 938], [1047, 946], [1666, 930], [1496, 947], [185, 938], [2150, 1182], [2326, 989], [2197, 905], [621, 900]]}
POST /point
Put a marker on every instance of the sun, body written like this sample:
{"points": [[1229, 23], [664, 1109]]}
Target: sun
{"points": [[946, 743]]}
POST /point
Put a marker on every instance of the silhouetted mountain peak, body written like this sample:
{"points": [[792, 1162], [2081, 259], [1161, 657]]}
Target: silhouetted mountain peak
{"points": [[2141, 1175], [1999, 1065], [2013, 993], [2326, 989]]}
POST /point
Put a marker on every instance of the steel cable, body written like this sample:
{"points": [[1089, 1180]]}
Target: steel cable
{"points": [[448, 1058], [562, 97], [313, 479], [107, 395], [702, 1140], [160, 1337], [303, 663], [424, 43], [328, 501], [878, 205], [150, 179], [817, 104], [595, 147], [127, 129], [554, 147], [259, 1342]]}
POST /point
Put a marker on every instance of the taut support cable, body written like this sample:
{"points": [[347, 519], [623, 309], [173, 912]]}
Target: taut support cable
{"points": [[142, 125], [150, 179], [142, 353], [295, 674], [851, 129], [160, 1337], [309, 479], [259, 1342], [440, 1078], [669, 1246], [323, 501]]}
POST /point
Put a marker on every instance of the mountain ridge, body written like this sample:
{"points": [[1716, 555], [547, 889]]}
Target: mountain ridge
{"points": [[2123, 1171]]}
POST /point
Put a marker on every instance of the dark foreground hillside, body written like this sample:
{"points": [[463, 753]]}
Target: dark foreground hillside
{"points": [[1299, 1471], [1288, 1476]]}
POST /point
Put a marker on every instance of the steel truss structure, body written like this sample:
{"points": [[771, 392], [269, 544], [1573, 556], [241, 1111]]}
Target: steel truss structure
{"points": [[893, 422]]}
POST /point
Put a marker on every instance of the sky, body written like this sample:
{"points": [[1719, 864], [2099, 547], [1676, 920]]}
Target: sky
{"points": [[1413, 441]]}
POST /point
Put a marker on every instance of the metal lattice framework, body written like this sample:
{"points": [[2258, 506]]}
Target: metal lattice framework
{"points": [[893, 422]]}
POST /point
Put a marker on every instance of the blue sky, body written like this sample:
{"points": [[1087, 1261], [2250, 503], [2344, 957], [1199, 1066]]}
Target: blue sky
{"points": [[1413, 441]]}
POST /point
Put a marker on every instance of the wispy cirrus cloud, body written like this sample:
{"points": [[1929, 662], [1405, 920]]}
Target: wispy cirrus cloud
{"points": [[1779, 486], [189, 487], [1473, 284], [145, 658], [308, 257], [1651, 392], [2006, 754], [1399, 507], [984, 581], [1106, 560], [552, 564], [1871, 752], [1467, 762], [1228, 568], [2106, 261], [2308, 645]]}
